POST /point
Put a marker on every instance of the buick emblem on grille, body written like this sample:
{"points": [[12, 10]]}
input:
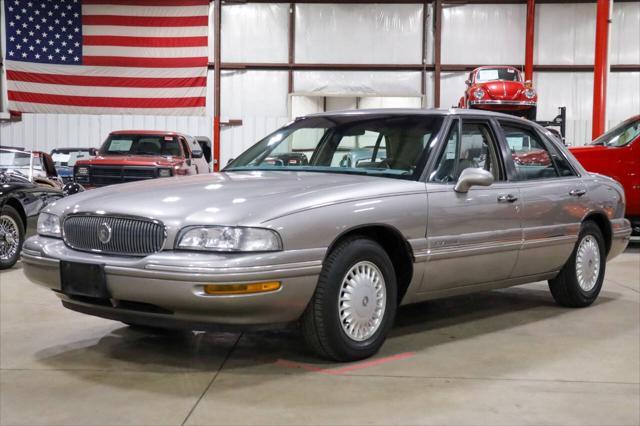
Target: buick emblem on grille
{"points": [[104, 233]]}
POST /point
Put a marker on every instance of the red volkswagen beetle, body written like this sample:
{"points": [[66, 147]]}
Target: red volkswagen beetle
{"points": [[500, 88], [617, 154]]}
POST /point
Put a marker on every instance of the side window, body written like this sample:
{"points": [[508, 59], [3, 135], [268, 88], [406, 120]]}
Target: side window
{"points": [[561, 163], [531, 158], [185, 148], [364, 150], [473, 148]]}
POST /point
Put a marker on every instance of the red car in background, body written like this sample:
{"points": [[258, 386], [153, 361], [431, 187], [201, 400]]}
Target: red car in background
{"points": [[617, 154], [502, 89], [131, 155]]}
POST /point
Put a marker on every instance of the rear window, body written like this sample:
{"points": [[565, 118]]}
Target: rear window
{"points": [[142, 145]]}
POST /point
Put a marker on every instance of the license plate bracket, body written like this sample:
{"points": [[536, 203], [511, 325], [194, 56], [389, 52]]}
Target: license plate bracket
{"points": [[84, 279]]}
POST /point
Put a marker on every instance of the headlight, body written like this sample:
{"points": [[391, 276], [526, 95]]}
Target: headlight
{"points": [[49, 225], [82, 171], [164, 172], [529, 93], [478, 94], [227, 238]]}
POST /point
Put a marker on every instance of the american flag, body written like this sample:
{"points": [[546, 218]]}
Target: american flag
{"points": [[107, 56]]}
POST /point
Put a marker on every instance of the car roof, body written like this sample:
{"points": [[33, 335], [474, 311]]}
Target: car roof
{"points": [[148, 132], [416, 111], [74, 148], [496, 66]]}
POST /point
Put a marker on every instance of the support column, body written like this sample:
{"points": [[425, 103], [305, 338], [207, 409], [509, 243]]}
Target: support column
{"points": [[217, 16], [601, 68], [529, 45], [437, 41]]}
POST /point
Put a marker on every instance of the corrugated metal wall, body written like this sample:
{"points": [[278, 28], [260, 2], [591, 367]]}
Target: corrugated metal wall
{"points": [[376, 33]]}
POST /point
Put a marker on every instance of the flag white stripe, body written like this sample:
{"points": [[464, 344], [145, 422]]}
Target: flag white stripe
{"points": [[145, 52], [106, 92], [99, 71], [67, 109], [112, 30], [160, 11]]}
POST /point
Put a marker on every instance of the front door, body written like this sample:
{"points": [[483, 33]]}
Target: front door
{"points": [[473, 237]]}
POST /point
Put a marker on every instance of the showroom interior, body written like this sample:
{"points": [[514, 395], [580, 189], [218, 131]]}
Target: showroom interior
{"points": [[496, 356]]}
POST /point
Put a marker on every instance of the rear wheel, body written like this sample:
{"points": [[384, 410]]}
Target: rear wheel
{"points": [[354, 305], [11, 236], [580, 280]]}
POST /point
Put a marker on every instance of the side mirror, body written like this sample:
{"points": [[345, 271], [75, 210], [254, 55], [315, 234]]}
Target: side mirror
{"points": [[473, 177], [197, 154], [71, 188]]}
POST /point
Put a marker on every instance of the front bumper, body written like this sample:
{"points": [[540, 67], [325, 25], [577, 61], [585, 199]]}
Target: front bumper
{"points": [[499, 104], [166, 289], [620, 237]]}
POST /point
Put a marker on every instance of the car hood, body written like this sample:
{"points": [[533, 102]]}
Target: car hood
{"points": [[235, 198], [130, 160], [506, 90], [578, 151]]}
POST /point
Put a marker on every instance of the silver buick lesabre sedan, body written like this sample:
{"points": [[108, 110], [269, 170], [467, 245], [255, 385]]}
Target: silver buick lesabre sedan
{"points": [[445, 202]]}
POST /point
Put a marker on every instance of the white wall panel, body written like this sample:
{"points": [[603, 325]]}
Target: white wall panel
{"points": [[452, 88], [565, 33], [623, 96], [625, 33], [331, 83], [358, 33], [483, 34], [255, 32], [259, 98], [47, 131], [573, 90]]}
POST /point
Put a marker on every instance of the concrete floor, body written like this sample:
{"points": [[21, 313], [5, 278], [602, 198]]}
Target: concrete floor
{"points": [[501, 357]]}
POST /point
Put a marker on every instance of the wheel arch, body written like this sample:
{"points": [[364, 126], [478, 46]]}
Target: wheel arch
{"points": [[17, 205], [602, 221], [393, 242]]}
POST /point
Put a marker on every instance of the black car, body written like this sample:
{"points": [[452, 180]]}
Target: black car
{"points": [[24, 192]]}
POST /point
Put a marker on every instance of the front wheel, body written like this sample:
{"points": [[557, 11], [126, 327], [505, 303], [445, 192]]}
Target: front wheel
{"points": [[354, 304], [11, 236], [580, 280]]}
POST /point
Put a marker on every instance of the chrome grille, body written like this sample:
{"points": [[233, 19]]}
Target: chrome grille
{"points": [[129, 235]]}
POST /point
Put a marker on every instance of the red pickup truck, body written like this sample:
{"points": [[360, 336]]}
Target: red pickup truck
{"points": [[617, 154], [132, 155]]}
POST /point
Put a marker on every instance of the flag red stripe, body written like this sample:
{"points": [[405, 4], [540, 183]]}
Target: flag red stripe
{"points": [[148, 2], [79, 80], [122, 61], [90, 101], [146, 21], [145, 41]]}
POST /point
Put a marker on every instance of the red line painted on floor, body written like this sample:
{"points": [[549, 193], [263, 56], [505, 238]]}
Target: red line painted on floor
{"points": [[342, 370]]}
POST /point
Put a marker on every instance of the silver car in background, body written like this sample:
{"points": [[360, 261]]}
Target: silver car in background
{"points": [[448, 202]]}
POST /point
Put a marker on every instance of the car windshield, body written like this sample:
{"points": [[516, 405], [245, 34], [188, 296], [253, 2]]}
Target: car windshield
{"points": [[68, 157], [492, 74], [388, 145], [141, 145], [620, 135], [18, 162]]}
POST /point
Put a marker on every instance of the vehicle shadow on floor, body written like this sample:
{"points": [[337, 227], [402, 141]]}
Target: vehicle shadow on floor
{"points": [[418, 328]]}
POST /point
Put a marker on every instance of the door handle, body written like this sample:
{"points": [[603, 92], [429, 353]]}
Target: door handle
{"points": [[577, 192], [508, 198]]}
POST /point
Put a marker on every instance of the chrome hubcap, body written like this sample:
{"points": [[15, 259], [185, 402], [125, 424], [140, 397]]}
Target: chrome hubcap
{"points": [[588, 263], [9, 237], [362, 301]]}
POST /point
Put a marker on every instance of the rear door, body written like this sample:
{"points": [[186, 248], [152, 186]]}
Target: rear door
{"points": [[551, 194], [473, 237]]}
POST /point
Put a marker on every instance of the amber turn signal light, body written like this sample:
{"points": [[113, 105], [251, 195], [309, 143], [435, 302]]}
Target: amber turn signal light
{"points": [[230, 289]]}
